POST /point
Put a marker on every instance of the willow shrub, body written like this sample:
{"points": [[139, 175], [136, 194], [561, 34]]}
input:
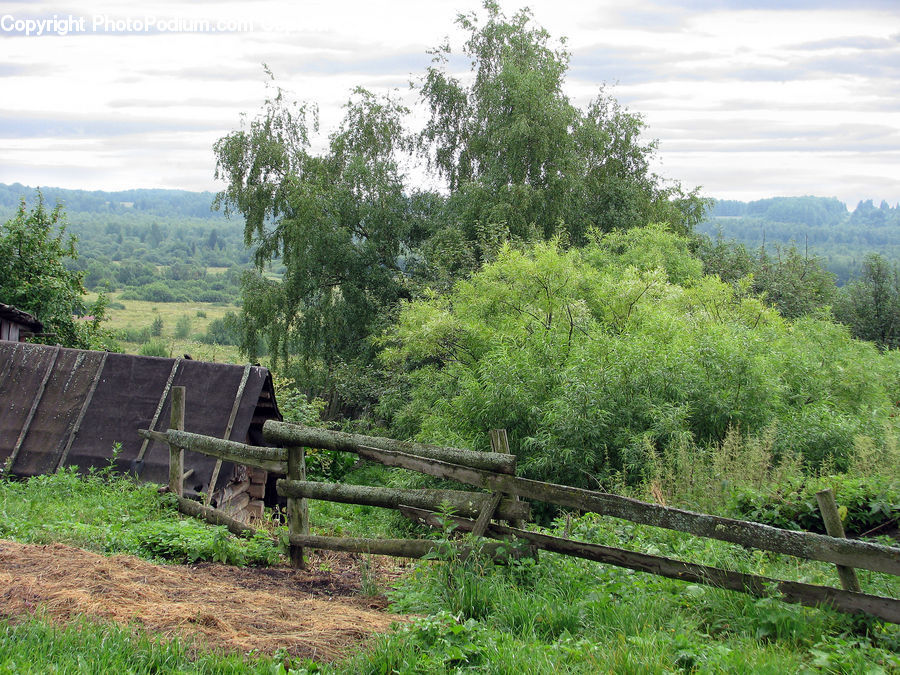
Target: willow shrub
{"points": [[595, 360]]}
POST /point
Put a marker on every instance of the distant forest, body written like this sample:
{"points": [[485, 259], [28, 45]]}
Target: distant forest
{"points": [[158, 244], [823, 226], [154, 245]]}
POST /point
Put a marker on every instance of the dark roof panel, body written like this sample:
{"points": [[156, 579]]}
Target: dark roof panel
{"points": [[92, 401]]}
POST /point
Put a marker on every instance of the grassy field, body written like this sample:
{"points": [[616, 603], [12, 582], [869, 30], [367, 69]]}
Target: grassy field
{"points": [[137, 315], [548, 615]]}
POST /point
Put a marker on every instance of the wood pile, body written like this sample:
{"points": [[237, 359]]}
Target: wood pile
{"points": [[242, 498]]}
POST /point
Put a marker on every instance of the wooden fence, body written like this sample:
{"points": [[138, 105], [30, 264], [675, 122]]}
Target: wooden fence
{"points": [[495, 472]]}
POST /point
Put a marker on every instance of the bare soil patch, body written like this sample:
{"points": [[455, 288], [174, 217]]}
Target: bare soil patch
{"points": [[315, 613]]}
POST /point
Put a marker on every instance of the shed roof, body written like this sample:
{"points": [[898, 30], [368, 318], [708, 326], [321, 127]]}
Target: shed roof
{"points": [[22, 318], [60, 407]]}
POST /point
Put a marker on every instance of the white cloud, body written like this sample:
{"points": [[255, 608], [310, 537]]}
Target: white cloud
{"points": [[787, 97]]}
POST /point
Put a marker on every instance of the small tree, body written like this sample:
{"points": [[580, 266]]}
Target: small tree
{"points": [[183, 327], [34, 277], [156, 328], [871, 305]]}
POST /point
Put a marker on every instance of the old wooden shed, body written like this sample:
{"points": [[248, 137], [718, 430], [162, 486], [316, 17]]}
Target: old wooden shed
{"points": [[16, 325], [61, 407]]}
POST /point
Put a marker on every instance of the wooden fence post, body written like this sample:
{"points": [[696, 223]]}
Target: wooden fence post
{"points": [[297, 509], [834, 528], [500, 443], [176, 454]]}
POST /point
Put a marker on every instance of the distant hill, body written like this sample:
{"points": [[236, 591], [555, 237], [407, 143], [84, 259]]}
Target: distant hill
{"points": [[165, 227], [164, 203], [134, 238], [822, 225]]}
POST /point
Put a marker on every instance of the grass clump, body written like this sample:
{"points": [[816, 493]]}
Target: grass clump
{"points": [[109, 513], [155, 347]]}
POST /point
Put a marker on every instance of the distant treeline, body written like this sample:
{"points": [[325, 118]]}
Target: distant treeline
{"points": [[153, 244], [824, 226], [164, 203], [133, 239]]}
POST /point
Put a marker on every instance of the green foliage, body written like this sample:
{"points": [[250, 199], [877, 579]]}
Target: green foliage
{"points": [[189, 541], [224, 331], [156, 328], [158, 291], [183, 327], [34, 277], [336, 220], [596, 364], [139, 335], [864, 503], [155, 347], [871, 304], [650, 247], [522, 162], [110, 513], [795, 283]]}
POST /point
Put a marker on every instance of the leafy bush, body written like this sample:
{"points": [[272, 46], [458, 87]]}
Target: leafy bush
{"points": [[183, 327], [139, 335], [224, 331], [863, 502], [597, 364], [154, 347], [188, 541]]}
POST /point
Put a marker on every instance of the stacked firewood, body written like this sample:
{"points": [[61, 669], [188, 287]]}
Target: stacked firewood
{"points": [[242, 498]]}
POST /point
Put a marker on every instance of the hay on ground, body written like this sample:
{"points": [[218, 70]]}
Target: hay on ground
{"points": [[316, 613]]}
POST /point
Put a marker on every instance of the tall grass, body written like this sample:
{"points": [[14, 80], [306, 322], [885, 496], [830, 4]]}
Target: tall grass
{"points": [[560, 614], [37, 646], [706, 478], [110, 513]]}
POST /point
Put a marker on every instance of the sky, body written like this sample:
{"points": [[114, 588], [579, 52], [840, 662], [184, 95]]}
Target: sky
{"points": [[747, 99]]}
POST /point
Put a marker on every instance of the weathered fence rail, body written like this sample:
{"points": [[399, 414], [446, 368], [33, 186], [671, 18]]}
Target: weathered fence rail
{"points": [[495, 472], [285, 433], [467, 504], [807, 545], [270, 459], [401, 548], [791, 591]]}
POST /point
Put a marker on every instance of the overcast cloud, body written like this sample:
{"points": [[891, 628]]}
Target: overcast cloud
{"points": [[747, 99]]}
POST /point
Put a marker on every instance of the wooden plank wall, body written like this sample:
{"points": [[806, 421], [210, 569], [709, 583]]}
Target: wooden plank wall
{"points": [[9, 330]]}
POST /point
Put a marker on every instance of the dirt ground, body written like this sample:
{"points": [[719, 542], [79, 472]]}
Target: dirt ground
{"points": [[317, 613]]}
